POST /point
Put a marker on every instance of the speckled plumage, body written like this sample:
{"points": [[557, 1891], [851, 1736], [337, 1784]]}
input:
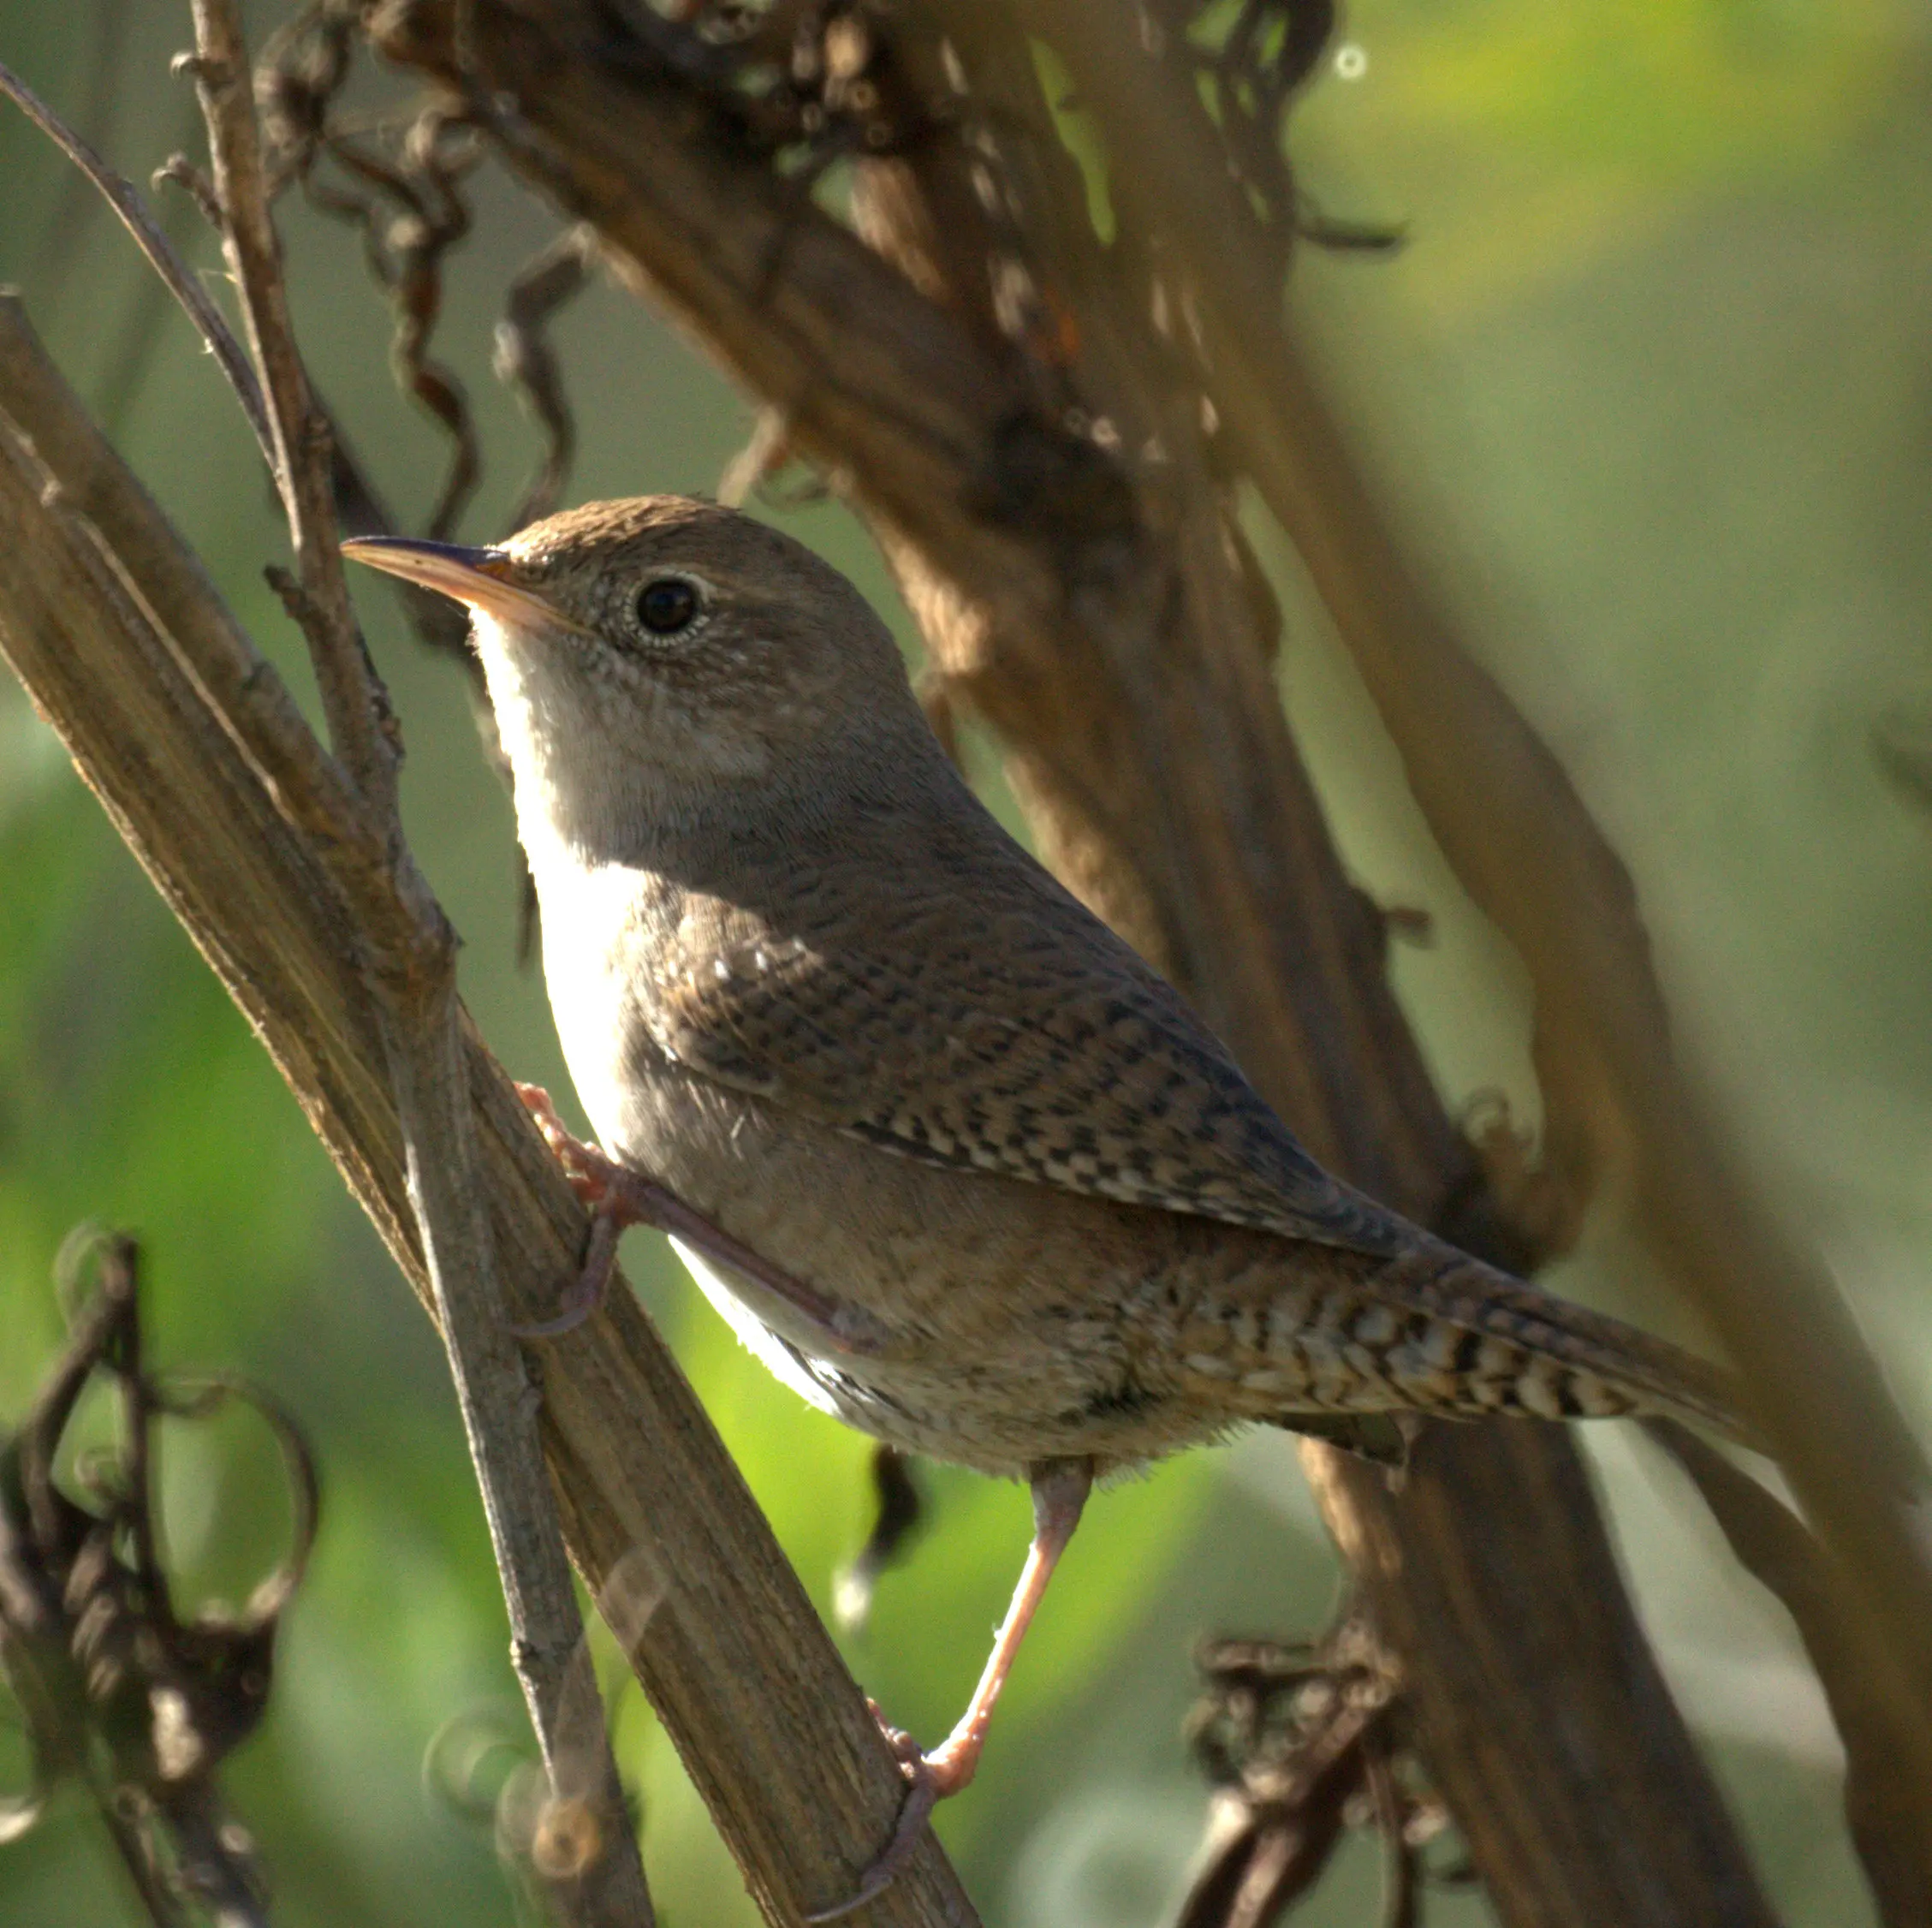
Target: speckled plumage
{"points": [[804, 979]]}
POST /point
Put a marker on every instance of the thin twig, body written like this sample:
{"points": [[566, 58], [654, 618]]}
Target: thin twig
{"points": [[183, 173], [524, 358], [307, 784], [1401, 1870], [500, 1402], [89, 1627], [55, 252], [120, 195], [359, 724]]}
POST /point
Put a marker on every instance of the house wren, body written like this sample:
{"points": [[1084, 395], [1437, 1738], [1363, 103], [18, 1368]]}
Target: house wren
{"points": [[949, 1156]]}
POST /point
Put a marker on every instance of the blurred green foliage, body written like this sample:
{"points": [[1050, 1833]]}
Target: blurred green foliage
{"points": [[1650, 385]]}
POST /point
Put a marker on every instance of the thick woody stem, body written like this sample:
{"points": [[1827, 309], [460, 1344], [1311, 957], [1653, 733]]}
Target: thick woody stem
{"points": [[123, 646]]}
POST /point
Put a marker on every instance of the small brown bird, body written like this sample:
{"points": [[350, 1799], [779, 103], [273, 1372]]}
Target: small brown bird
{"points": [[949, 1156]]}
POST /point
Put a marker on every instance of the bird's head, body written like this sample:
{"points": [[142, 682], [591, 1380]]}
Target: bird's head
{"points": [[657, 659]]}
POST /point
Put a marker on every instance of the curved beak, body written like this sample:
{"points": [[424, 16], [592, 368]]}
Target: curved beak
{"points": [[482, 578]]}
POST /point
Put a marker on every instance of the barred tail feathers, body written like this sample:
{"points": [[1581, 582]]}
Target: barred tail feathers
{"points": [[1436, 1331], [1514, 1348]]}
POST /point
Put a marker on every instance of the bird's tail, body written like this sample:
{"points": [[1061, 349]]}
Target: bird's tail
{"points": [[1436, 1331], [1475, 1341]]}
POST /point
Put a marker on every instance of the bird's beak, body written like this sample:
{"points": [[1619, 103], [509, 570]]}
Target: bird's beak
{"points": [[482, 578]]}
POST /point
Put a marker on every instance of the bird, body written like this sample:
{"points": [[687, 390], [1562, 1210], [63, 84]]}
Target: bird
{"points": [[957, 1164]]}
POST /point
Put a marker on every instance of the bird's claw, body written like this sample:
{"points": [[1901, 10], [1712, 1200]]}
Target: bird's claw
{"points": [[537, 1101], [590, 1176], [584, 1296], [929, 1779], [589, 1172]]}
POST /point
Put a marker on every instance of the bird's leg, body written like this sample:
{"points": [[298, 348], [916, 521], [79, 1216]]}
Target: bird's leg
{"points": [[1060, 1493], [619, 1197]]}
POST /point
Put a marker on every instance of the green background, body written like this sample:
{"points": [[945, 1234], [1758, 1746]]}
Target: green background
{"points": [[1652, 386]]}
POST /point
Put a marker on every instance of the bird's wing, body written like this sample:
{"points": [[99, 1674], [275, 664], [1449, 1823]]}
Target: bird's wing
{"points": [[998, 1026]]}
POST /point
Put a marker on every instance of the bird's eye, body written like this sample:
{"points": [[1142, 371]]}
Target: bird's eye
{"points": [[666, 605]]}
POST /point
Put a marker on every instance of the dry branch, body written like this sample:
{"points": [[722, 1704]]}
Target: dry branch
{"points": [[1521, 841], [159, 250], [360, 727], [1888, 1807], [775, 1734], [93, 1643]]}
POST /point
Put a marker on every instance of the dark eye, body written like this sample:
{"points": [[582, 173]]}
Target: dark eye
{"points": [[667, 605]]}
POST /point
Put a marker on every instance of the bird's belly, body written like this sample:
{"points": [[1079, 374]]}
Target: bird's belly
{"points": [[1001, 1305]]}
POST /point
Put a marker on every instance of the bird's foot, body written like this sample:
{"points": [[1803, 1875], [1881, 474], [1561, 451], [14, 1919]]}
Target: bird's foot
{"points": [[592, 1176], [930, 1778], [596, 1180], [586, 1291]]}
